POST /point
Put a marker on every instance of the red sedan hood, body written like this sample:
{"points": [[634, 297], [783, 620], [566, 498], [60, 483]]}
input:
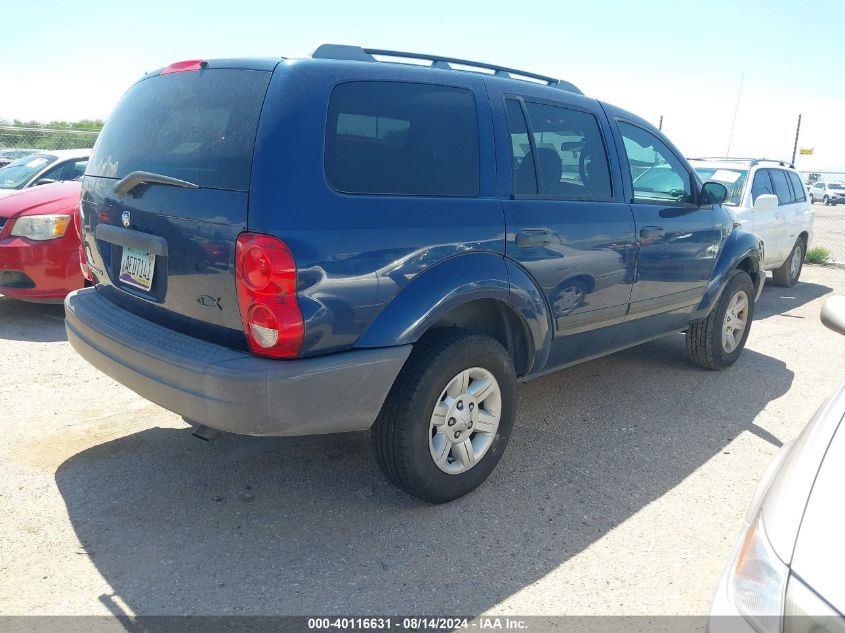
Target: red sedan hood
{"points": [[55, 198]]}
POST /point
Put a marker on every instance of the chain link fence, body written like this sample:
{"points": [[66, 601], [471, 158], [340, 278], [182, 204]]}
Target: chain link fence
{"points": [[829, 222], [18, 141]]}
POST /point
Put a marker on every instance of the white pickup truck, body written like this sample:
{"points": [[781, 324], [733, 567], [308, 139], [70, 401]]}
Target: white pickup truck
{"points": [[769, 199]]}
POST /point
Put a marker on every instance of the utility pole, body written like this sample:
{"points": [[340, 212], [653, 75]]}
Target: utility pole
{"points": [[795, 147], [660, 127]]}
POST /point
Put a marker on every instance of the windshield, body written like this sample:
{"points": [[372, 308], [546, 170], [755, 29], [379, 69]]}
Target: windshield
{"points": [[17, 173], [733, 179], [194, 126]]}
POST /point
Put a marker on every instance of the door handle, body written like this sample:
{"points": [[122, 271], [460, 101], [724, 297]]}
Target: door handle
{"points": [[652, 232], [533, 238]]}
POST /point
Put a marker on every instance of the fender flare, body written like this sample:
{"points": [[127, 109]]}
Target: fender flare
{"points": [[451, 283], [739, 245]]}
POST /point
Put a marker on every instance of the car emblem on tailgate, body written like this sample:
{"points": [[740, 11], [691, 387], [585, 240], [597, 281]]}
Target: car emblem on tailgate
{"points": [[125, 218]]}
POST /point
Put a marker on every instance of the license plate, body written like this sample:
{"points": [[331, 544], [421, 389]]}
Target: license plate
{"points": [[137, 268]]}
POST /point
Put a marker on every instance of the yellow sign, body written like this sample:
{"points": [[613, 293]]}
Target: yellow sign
{"points": [[806, 151]]}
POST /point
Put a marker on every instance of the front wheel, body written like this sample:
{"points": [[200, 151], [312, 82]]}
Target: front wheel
{"points": [[448, 417], [717, 341], [789, 272]]}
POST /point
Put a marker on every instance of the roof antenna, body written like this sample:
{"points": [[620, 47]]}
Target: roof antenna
{"points": [[736, 109]]}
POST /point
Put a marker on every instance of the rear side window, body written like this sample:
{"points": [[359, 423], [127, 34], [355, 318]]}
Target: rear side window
{"points": [[797, 186], [781, 186], [570, 155], [762, 184], [402, 139], [195, 126]]}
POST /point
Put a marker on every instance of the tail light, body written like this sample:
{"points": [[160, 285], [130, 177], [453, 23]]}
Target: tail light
{"points": [[83, 260], [266, 283]]}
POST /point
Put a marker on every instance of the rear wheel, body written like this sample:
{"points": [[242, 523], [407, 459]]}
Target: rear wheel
{"points": [[826, 201], [717, 341], [448, 417], [789, 272]]}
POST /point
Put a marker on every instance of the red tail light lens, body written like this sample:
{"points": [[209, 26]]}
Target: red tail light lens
{"points": [[188, 65], [266, 282], [83, 260]]}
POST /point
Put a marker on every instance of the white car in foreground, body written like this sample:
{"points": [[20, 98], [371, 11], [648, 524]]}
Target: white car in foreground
{"points": [[769, 199], [787, 572], [43, 168]]}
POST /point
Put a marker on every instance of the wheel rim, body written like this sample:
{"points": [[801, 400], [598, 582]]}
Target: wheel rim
{"points": [[465, 420], [795, 262], [736, 320]]}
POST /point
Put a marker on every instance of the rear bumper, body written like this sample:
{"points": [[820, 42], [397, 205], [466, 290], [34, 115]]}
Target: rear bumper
{"points": [[228, 389]]}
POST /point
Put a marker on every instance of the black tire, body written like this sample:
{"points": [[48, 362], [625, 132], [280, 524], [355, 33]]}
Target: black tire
{"points": [[826, 201], [704, 338], [401, 433], [783, 276]]}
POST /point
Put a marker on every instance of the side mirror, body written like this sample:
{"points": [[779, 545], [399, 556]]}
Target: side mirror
{"points": [[44, 181], [766, 202], [713, 193], [833, 313]]}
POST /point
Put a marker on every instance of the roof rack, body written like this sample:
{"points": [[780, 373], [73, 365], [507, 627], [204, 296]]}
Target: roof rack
{"points": [[751, 161], [357, 53]]}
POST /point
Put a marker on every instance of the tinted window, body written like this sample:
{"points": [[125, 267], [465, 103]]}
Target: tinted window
{"points": [[571, 158], [781, 186], [522, 160], [797, 186], [196, 126], [402, 138], [761, 184], [70, 170], [658, 175]]}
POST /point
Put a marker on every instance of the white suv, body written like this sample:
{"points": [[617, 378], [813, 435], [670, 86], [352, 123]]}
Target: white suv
{"points": [[827, 192], [769, 199]]}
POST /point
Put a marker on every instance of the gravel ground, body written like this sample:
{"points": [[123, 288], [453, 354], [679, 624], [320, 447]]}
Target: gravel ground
{"points": [[622, 490]]}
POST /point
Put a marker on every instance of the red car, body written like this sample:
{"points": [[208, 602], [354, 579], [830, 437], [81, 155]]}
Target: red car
{"points": [[39, 243]]}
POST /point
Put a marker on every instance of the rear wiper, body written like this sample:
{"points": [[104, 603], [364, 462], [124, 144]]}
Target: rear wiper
{"points": [[135, 178]]}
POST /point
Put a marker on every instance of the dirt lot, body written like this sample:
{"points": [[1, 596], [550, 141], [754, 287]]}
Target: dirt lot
{"points": [[622, 490]]}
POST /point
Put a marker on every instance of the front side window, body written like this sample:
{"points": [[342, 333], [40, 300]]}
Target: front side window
{"points": [[797, 186], [658, 175], [570, 156], [781, 186], [403, 139], [762, 184]]}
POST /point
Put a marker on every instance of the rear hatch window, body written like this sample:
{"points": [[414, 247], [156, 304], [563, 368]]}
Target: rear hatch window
{"points": [[195, 126]]}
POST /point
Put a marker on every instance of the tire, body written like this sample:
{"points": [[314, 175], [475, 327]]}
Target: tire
{"points": [[705, 341], [404, 437], [789, 272], [826, 201]]}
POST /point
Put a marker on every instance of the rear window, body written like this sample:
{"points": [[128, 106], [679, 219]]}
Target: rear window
{"points": [[195, 126], [797, 186], [782, 190], [403, 139]]}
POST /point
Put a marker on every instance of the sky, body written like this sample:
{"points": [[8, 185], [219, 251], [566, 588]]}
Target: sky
{"points": [[686, 61]]}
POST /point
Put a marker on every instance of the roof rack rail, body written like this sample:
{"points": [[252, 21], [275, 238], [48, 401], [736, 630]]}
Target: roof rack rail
{"points": [[751, 161], [357, 53]]}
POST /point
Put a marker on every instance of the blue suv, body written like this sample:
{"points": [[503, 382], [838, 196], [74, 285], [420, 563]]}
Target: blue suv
{"points": [[345, 242]]}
